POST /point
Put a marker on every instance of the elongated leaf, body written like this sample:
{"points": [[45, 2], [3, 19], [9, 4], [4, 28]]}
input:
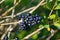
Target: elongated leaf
{"points": [[57, 7], [35, 36], [57, 25], [53, 16]]}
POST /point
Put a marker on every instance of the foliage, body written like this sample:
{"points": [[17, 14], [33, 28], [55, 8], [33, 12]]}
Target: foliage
{"points": [[43, 11]]}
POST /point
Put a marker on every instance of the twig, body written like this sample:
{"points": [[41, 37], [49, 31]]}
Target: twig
{"points": [[2, 1], [53, 8], [2, 21], [52, 34], [13, 9], [23, 11], [5, 33], [28, 36], [12, 18], [5, 13], [11, 23], [37, 6], [19, 13], [10, 27]]}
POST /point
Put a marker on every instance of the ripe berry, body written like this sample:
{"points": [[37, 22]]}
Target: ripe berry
{"points": [[31, 18], [6, 37], [22, 25], [26, 22], [38, 21], [22, 16], [36, 15], [16, 38], [33, 23], [39, 18], [34, 18], [28, 14], [29, 24], [27, 19]]}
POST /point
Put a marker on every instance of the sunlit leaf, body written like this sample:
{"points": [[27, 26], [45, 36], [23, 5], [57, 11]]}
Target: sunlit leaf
{"points": [[22, 34], [48, 29], [53, 16], [57, 7], [8, 2], [47, 26], [40, 26], [58, 0], [35, 36], [57, 25]]}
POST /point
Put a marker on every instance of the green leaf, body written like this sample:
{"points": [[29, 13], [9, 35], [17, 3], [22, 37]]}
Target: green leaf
{"points": [[35, 36], [48, 6], [58, 0], [22, 34], [57, 25], [40, 26], [46, 26], [53, 16], [57, 7], [12, 35], [8, 3], [25, 2]]}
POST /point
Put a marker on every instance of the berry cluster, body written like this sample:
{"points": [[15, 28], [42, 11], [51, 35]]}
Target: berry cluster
{"points": [[29, 20]]}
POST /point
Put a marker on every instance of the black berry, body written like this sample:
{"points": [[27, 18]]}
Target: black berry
{"points": [[6, 37], [29, 20]]}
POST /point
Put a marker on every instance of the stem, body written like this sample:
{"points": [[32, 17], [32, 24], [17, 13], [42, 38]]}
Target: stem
{"points": [[53, 8], [6, 12], [2, 1], [52, 34], [28, 36], [37, 6], [19, 13]]}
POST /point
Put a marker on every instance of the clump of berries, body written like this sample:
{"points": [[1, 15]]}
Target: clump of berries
{"points": [[29, 20]]}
